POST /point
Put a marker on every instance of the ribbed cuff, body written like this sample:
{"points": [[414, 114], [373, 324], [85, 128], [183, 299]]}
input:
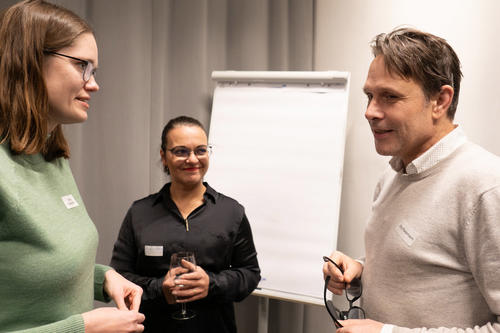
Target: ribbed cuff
{"points": [[99, 272], [72, 324]]}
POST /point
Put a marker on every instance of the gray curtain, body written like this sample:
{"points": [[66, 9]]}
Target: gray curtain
{"points": [[155, 63]]}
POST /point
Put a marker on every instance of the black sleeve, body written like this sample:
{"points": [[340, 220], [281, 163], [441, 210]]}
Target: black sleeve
{"points": [[124, 261], [237, 282]]}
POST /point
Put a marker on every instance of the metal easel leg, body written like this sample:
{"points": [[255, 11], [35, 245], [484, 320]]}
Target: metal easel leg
{"points": [[263, 322]]}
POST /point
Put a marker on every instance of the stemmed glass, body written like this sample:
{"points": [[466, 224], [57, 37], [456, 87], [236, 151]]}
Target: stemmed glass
{"points": [[176, 261]]}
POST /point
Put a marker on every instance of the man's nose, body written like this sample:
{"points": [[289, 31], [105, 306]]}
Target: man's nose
{"points": [[373, 110]]}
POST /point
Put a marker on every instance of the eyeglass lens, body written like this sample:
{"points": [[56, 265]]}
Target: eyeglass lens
{"points": [[185, 152], [355, 313], [353, 291], [89, 71]]}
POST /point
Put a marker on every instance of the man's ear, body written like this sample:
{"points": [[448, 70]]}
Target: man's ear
{"points": [[443, 101]]}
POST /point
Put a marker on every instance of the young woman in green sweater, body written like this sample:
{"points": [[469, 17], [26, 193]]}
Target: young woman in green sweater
{"points": [[48, 275]]}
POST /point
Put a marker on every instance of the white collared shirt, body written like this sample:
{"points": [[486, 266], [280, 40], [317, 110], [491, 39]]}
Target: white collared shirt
{"points": [[438, 152]]}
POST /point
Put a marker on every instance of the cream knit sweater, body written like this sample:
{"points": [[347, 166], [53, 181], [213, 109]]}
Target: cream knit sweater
{"points": [[433, 246]]}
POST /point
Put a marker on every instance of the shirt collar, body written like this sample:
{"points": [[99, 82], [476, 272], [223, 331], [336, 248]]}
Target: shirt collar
{"points": [[164, 194], [438, 152]]}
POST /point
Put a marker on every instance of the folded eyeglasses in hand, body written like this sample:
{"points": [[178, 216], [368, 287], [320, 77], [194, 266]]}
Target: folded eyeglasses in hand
{"points": [[352, 293]]}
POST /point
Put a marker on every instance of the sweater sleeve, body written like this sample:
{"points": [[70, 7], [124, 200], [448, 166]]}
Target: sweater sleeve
{"points": [[124, 259], [241, 279], [99, 294], [73, 324], [482, 246]]}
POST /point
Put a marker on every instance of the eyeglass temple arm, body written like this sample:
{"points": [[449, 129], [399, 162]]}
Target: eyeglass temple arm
{"points": [[327, 279], [327, 259], [337, 323]]}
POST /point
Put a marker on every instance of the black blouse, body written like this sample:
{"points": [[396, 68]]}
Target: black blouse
{"points": [[219, 234]]}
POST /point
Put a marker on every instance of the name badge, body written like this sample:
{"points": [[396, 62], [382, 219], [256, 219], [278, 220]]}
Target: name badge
{"points": [[407, 235], [69, 201], [153, 251]]}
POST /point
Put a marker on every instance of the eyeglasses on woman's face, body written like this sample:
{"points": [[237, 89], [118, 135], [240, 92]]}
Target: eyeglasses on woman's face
{"points": [[184, 152], [87, 68], [352, 293]]}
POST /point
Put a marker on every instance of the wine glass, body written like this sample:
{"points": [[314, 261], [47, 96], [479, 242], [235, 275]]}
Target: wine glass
{"points": [[176, 261]]}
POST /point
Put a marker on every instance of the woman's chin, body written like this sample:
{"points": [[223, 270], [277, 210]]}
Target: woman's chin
{"points": [[189, 181]]}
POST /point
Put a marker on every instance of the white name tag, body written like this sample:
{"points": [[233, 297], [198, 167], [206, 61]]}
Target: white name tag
{"points": [[406, 234], [69, 201], [153, 251]]}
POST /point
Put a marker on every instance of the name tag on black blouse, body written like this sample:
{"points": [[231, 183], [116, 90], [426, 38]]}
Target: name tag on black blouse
{"points": [[153, 250]]}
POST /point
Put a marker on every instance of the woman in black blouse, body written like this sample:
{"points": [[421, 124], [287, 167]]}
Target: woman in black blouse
{"points": [[188, 215]]}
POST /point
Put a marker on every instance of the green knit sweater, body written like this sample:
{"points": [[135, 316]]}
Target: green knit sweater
{"points": [[48, 245]]}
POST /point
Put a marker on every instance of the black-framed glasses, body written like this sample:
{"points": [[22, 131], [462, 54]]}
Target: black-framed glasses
{"points": [[352, 293], [184, 152], [87, 67]]}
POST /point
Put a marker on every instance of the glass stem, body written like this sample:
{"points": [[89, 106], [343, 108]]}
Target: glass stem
{"points": [[183, 308]]}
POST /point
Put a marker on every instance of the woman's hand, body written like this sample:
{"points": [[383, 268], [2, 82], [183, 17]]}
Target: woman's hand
{"points": [[112, 320], [169, 283], [127, 295], [352, 269], [191, 286]]}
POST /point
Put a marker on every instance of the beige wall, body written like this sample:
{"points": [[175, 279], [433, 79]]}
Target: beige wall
{"points": [[343, 32]]}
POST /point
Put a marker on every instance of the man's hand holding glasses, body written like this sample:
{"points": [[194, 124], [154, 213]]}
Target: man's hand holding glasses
{"points": [[349, 270], [342, 273]]}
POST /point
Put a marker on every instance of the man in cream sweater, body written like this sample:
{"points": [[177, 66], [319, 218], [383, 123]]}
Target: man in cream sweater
{"points": [[433, 238]]}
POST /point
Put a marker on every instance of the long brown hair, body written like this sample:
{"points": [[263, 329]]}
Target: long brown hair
{"points": [[27, 29]]}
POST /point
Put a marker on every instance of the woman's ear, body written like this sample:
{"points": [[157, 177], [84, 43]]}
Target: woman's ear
{"points": [[162, 154], [164, 161]]}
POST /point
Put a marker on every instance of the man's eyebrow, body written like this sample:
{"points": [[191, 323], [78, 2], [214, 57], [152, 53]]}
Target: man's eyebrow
{"points": [[381, 89], [367, 90]]}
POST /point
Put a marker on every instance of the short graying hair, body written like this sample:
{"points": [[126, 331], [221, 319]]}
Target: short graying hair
{"points": [[423, 57]]}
